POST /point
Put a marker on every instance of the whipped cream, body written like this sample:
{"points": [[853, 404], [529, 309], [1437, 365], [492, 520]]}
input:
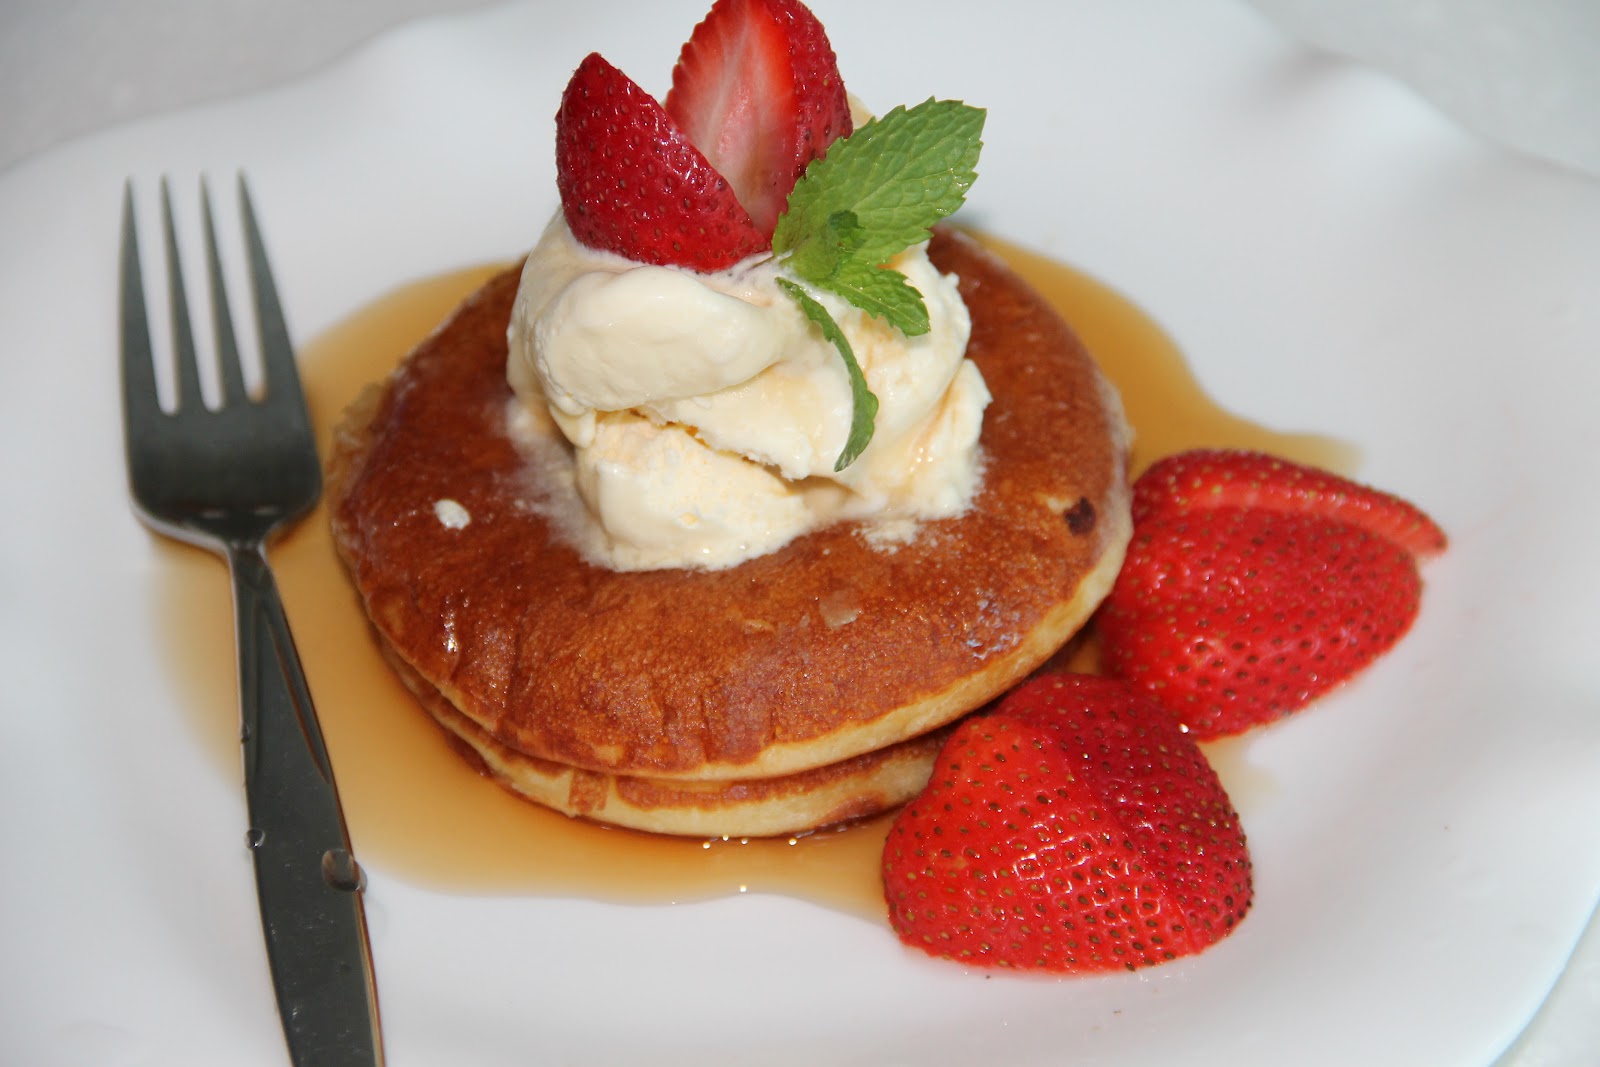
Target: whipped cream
{"points": [[705, 413]]}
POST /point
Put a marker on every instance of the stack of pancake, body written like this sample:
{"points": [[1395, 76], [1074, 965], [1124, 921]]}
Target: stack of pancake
{"points": [[799, 689]]}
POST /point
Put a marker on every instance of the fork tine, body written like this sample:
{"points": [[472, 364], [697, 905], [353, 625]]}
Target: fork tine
{"points": [[139, 397], [232, 376], [277, 353], [182, 337]]}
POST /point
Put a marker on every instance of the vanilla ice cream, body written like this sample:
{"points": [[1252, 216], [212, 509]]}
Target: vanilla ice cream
{"points": [[705, 413]]}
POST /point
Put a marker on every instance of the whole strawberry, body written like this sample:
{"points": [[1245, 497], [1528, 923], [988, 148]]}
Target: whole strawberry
{"points": [[1252, 585], [1074, 829]]}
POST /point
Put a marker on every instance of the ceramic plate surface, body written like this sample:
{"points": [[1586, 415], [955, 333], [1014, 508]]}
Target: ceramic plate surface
{"points": [[1331, 256]]}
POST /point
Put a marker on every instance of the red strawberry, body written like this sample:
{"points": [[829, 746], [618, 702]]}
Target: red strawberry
{"points": [[1216, 478], [1073, 829], [633, 184], [757, 89], [1232, 616]]}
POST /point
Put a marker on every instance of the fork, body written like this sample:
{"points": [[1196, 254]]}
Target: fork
{"points": [[228, 479]]}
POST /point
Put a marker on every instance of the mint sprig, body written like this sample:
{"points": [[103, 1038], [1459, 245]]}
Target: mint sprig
{"points": [[864, 406], [875, 194]]}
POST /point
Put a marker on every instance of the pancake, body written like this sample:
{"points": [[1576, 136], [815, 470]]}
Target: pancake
{"points": [[835, 646], [855, 788]]}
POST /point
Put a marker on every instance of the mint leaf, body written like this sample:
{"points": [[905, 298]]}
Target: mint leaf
{"points": [[884, 293], [864, 404], [897, 176], [875, 194]]}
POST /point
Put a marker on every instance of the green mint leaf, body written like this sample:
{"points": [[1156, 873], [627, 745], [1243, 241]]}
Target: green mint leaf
{"points": [[864, 404], [844, 231], [881, 292], [874, 195], [835, 243], [896, 177]]}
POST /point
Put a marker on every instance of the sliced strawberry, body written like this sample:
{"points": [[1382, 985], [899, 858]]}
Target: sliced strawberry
{"points": [[633, 184], [757, 89], [1216, 478], [1073, 829], [1236, 616]]}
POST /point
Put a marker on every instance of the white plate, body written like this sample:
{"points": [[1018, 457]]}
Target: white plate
{"points": [[1332, 257]]}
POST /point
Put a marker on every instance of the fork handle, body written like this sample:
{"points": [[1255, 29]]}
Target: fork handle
{"points": [[307, 881]]}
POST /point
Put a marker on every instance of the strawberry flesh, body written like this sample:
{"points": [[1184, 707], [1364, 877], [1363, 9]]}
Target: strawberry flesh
{"points": [[1073, 829], [757, 89], [633, 184]]}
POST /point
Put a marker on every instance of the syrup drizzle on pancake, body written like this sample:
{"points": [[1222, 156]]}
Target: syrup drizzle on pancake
{"points": [[418, 812]]}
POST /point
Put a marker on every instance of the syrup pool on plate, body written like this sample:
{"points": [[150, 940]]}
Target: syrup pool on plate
{"points": [[419, 811]]}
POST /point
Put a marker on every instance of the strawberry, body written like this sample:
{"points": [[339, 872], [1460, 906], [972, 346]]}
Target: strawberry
{"points": [[701, 181], [1075, 829], [1212, 478], [757, 89], [633, 184], [1253, 585]]}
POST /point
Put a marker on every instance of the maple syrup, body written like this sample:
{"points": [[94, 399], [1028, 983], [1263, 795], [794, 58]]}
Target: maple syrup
{"points": [[417, 811]]}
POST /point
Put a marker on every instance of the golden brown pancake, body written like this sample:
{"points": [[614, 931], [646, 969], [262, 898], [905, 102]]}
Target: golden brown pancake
{"points": [[753, 807], [823, 651]]}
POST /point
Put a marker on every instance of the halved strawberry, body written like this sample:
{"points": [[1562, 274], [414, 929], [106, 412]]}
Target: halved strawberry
{"points": [[1235, 616], [1218, 478], [633, 184], [1074, 829], [757, 89]]}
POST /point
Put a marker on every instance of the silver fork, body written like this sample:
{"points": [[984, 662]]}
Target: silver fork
{"points": [[227, 480]]}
